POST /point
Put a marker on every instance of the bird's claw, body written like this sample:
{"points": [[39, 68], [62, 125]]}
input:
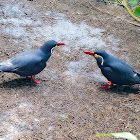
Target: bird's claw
{"points": [[35, 81], [105, 87], [109, 83]]}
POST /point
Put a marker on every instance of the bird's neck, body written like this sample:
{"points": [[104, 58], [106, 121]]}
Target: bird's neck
{"points": [[46, 55]]}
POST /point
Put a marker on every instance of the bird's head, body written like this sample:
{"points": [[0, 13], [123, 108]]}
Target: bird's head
{"points": [[99, 55], [50, 45]]}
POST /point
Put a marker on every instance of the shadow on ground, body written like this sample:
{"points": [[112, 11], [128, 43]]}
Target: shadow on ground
{"points": [[124, 90], [20, 82]]}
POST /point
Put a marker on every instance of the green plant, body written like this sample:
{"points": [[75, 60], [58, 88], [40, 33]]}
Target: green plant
{"points": [[133, 4], [124, 3]]}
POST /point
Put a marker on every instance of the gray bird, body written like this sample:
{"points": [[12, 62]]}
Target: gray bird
{"points": [[31, 62], [114, 69]]}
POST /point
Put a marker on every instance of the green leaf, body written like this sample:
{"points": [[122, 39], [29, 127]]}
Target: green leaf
{"points": [[133, 2], [137, 11], [125, 135]]}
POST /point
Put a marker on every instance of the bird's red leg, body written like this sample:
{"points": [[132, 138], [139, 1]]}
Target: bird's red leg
{"points": [[35, 81], [108, 87]]}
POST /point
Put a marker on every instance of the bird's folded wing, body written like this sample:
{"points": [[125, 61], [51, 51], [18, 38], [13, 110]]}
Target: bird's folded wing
{"points": [[121, 68]]}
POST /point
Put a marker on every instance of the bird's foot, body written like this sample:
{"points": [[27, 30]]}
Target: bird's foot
{"points": [[105, 87], [109, 83], [29, 77], [35, 81]]}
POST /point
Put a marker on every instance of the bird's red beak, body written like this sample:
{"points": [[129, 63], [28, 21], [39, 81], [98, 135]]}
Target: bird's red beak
{"points": [[59, 44], [90, 53]]}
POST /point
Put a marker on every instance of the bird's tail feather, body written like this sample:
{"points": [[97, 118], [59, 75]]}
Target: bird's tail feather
{"points": [[5, 69], [138, 74], [139, 77]]}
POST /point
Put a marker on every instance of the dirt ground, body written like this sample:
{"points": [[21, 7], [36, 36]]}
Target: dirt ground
{"points": [[69, 104]]}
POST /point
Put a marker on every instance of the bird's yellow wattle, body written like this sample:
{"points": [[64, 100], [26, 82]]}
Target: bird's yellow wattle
{"points": [[96, 55]]}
